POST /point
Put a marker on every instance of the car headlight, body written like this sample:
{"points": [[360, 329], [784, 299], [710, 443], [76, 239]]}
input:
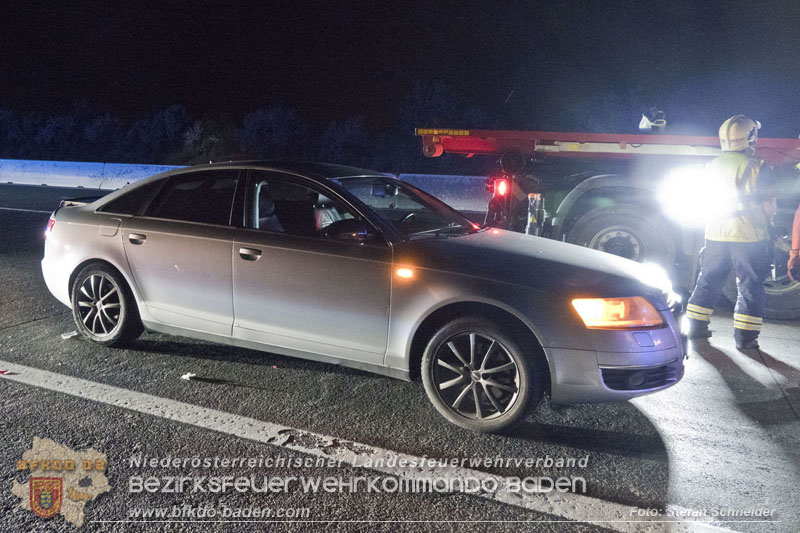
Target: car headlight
{"points": [[617, 313]]}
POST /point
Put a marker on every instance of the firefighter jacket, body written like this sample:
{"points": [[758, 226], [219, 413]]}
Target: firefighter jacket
{"points": [[742, 183]]}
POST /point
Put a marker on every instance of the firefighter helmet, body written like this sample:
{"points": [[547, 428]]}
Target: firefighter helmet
{"points": [[738, 133]]}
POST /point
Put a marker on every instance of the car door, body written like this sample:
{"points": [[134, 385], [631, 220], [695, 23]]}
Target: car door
{"points": [[179, 251], [296, 288]]}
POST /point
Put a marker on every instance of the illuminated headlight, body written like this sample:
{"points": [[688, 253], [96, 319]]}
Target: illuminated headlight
{"points": [[617, 313]]}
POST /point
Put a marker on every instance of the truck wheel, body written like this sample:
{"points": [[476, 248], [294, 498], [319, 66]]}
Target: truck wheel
{"points": [[782, 300], [627, 231]]}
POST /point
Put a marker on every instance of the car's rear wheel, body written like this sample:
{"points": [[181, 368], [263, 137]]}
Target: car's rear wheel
{"points": [[103, 307], [478, 376]]}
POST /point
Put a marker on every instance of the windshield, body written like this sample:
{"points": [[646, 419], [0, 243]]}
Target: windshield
{"points": [[412, 212]]}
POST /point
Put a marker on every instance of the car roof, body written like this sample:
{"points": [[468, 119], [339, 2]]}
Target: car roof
{"points": [[319, 171]]}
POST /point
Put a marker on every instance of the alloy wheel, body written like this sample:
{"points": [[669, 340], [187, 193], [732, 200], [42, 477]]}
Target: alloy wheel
{"points": [[99, 305], [476, 376]]}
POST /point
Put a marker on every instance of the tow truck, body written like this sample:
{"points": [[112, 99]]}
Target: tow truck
{"points": [[639, 196]]}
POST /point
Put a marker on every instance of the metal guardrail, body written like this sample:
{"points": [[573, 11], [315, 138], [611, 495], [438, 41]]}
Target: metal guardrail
{"points": [[466, 193], [106, 176]]}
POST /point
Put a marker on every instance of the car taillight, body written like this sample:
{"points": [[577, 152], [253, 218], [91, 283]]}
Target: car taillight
{"points": [[49, 228]]}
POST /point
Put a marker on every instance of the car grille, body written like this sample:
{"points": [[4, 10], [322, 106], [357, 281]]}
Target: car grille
{"points": [[641, 378]]}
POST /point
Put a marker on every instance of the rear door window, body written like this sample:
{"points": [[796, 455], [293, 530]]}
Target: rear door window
{"points": [[134, 201], [205, 197]]}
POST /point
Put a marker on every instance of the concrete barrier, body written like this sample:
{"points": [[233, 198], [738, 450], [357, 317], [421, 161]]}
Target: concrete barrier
{"points": [[107, 176]]}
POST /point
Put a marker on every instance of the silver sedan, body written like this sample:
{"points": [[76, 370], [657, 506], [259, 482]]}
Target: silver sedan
{"points": [[357, 268]]}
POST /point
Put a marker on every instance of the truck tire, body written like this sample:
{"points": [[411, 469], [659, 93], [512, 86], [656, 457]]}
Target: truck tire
{"points": [[628, 231], [782, 300]]}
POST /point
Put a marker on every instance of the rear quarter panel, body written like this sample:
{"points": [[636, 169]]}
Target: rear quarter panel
{"points": [[80, 235]]}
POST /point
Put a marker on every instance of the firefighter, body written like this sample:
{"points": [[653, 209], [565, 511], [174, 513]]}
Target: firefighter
{"points": [[736, 234], [793, 266]]}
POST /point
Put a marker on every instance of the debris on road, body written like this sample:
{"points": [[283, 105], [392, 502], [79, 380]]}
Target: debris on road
{"points": [[69, 335], [188, 376], [283, 437]]}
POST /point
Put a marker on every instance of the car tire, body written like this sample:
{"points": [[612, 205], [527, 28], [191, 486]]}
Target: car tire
{"points": [[627, 231], [461, 377], [103, 307]]}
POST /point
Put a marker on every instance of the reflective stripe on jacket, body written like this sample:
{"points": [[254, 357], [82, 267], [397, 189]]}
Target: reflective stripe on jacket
{"points": [[741, 219]]}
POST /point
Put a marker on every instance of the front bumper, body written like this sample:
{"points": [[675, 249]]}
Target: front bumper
{"points": [[588, 376]]}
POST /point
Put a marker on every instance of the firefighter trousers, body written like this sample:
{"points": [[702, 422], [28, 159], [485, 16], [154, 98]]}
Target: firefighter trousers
{"points": [[751, 262]]}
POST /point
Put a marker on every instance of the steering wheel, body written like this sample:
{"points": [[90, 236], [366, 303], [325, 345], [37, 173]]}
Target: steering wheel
{"points": [[409, 219]]}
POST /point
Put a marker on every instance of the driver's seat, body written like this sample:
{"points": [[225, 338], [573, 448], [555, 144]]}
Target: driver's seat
{"points": [[266, 212]]}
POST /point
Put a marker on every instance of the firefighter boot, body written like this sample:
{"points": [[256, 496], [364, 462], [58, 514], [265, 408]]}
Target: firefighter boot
{"points": [[745, 339], [698, 329]]}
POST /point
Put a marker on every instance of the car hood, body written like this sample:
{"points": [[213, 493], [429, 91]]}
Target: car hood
{"points": [[535, 262]]}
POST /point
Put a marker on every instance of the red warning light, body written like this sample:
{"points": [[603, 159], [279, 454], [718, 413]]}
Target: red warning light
{"points": [[501, 187], [498, 186]]}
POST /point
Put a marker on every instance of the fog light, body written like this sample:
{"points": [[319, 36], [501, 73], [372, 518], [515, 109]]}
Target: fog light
{"points": [[636, 380]]}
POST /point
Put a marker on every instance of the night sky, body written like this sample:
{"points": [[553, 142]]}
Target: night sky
{"points": [[535, 64]]}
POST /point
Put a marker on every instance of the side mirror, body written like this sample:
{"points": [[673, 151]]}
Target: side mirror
{"points": [[350, 230]]}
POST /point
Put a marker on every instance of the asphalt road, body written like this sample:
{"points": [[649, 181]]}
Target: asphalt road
{"points": [[726, 438]]}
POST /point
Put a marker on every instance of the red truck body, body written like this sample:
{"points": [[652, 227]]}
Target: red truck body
{"points": [[611, 203]]}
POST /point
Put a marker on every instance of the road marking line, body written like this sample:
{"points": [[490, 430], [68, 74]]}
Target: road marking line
{"points": [[574, 507], [23, 210]]}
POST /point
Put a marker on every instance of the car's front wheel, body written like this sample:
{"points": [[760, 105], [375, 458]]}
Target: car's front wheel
{"points": [[478, 376], [103, 307]]}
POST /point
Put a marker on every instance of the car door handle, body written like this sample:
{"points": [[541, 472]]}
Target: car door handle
{"points": [[250, 254], [137, 238]]}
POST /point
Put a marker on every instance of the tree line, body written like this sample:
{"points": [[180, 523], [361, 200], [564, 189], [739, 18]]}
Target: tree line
{"points": [[173, 135]]}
